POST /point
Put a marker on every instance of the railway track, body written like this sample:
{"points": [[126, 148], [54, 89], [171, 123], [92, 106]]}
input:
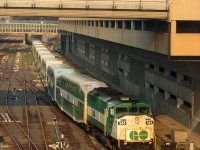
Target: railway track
{"points": [[10, 122], [26, 114], [65, 125], [32, 114]]}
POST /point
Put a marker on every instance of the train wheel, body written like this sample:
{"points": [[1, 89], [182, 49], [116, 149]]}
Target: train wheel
{"points": [[114, 146]]}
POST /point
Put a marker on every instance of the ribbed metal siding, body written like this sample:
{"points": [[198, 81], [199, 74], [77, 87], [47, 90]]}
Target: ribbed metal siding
{"points": [[185, 10]]}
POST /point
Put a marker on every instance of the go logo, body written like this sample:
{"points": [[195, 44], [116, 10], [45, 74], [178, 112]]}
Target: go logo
{"points": [[138, 135]]}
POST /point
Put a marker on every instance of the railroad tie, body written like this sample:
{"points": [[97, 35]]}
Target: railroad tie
{"points": [[8, 117], [3, 117]]}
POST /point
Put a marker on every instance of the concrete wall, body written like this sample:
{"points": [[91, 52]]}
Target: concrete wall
{"points": [[148, 40], [172, 88]]}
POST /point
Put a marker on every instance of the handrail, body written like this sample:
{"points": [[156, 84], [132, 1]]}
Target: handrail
{"points": [[89, 4]]}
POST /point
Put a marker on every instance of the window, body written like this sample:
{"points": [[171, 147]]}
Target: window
{"points": [[133, 110], [173, 97], [188, 27], [119, 24], [121, 110], [106, 24], [151, 66], [80, 105], [143, 110], [138, 25], [97, 23], [151, 86], [173, 74], [112, 111], [58, 91], [187, 104], [112, 24], [161, 69], [149, 25], [187, 78], [92, 23], [101, 24], [93, 113], [128, 24], [162, 26], [161, 91]]}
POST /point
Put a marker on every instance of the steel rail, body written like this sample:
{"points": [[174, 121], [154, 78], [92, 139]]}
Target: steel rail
{"points": [[7, 109], [13, 138], [38, 110], [25, 105]]}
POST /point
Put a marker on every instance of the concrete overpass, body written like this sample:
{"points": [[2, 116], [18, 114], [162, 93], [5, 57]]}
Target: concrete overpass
{"points": [[88, 4], [87, 8], [32, 28]]}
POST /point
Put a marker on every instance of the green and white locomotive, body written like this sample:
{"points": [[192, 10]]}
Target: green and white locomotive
{"points": [[123, 120]]}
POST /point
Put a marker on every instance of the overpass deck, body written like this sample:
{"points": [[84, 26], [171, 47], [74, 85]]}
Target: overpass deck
{"points": [[89, 4], [156, 9]]}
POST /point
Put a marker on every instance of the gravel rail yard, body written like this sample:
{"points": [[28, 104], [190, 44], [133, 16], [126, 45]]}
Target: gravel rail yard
{"points": [[29, 119]]}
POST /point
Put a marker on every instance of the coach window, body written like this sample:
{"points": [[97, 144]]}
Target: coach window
{"points": [[57, 90], [93, 113], [80, 105]]}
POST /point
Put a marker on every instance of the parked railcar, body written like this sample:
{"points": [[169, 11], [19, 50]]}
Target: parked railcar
{"points": [[38, 57], [36, 47], [48, 55], [44, 65], [53, 72], [123, 120], [35, 51], [72, 90]]}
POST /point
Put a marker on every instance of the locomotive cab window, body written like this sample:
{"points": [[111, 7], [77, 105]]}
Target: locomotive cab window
{"points": [[112, 111], [143, 110], [121, 110], [133, 110]]}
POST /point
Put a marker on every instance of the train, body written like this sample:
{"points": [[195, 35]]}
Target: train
{"points": [[119, 120]]}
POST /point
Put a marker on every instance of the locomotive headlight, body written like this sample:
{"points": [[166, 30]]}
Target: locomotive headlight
{"points": [[149, 121]]}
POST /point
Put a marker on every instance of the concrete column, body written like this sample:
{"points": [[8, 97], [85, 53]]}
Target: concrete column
{"points": [[25, 39], [98, 57]]}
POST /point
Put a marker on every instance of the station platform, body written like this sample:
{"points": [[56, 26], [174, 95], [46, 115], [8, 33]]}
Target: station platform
{"points": [[164, 126]]}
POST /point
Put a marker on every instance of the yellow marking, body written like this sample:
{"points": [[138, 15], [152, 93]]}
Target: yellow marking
{"points": [[119, 144], [105, 117], [154, 141]]}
